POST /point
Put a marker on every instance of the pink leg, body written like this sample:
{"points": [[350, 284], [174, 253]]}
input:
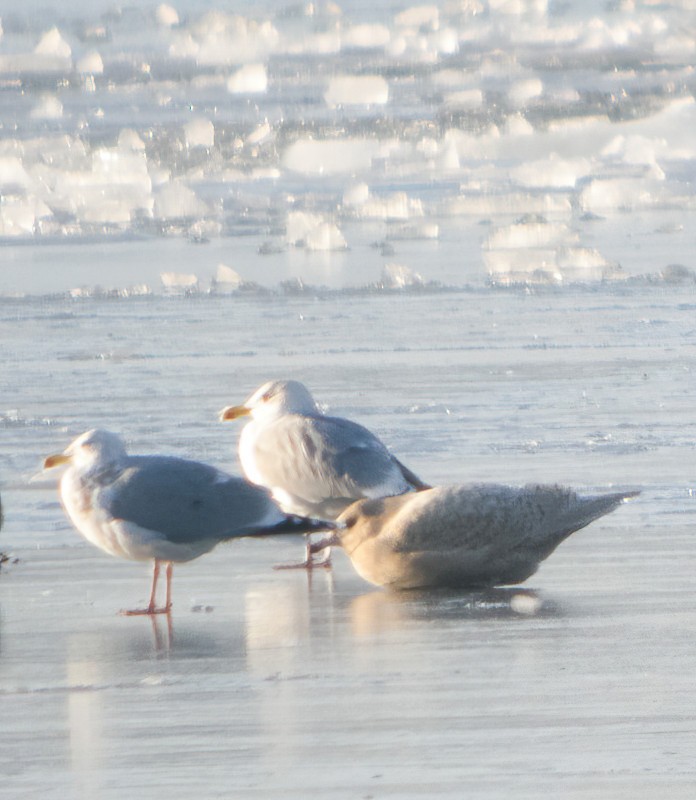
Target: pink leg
{"points": [[170, 572], [310, 562], [152, 605]]}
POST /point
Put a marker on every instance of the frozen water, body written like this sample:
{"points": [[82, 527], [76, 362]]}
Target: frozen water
{"points": [[467, 225], [583, 108]]}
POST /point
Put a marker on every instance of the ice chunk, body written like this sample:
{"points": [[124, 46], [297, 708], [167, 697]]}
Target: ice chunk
{"points": [[516, 126], [330, 156], [518, 7], [179, 282], [531, 232], [634, 149], [602, 195], [249, 79], [510, 267], [226, 280], [356, 195], [19, 215], [464, 99], [325, 236], [262, 133], [313, 232], [398, 276], [114, 166], [166, 16], [13, 174], [91, 63], [353, 90], [415, 230], [128, 139], [582, 264], [116, 186], [48, 107], [53, 45], [485, 204], [315, 43], [523, 91], [394, 206], [448, 157], [554, 172], [175, 201], [366, 36], [221, 39], [298, 225], [199, 132], [535, 251], [419, 17]]}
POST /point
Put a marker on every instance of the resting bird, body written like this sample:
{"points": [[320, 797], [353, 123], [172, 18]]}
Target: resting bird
{"points": [[159, 507], [313, 464], [462, 536]]}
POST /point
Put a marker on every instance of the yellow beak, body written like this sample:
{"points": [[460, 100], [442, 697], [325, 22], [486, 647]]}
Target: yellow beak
{"points": [[56, 460], [234, 412]]}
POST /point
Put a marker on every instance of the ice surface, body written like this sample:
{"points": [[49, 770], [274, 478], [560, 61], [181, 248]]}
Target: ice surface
{"points": [[278, 686]]}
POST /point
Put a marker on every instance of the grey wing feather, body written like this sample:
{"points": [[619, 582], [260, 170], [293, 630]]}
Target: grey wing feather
{"points": [[481, 516], [187, 500], [318, 457]]}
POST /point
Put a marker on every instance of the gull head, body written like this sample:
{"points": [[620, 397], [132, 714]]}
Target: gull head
{"points": [[273, 399], [89, 449]]}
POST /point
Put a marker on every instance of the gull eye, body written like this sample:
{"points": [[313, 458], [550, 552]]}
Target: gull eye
{"points": [[266, 397]]}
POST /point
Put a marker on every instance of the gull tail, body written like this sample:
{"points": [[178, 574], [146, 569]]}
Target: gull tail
{"points": [[411, 477], [579, 513], [591, 508]]}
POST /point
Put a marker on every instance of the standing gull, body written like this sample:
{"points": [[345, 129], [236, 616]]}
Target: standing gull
{"points": [[313, 464], [463, 536], [159, 507]]}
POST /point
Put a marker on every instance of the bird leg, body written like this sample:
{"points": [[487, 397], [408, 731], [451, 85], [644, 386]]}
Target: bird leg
{"points": [[152, 605], [310, 549]]}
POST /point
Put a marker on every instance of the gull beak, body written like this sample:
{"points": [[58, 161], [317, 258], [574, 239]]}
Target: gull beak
{"points": [[56, 460], [234, 412]]}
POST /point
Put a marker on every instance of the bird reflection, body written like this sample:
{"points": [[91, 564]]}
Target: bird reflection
{"points": [[379, 611], [162, 639]]}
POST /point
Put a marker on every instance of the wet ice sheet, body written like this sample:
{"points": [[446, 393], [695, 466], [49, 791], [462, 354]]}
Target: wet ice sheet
{"points": [[286, 688]]}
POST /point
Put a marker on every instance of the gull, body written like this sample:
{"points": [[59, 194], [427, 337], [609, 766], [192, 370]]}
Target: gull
{"points": [[160, 508], [463, 536], [314, 465]]}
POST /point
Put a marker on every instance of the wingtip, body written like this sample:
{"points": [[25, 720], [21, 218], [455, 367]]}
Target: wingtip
{"points": [[627, 496]]}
